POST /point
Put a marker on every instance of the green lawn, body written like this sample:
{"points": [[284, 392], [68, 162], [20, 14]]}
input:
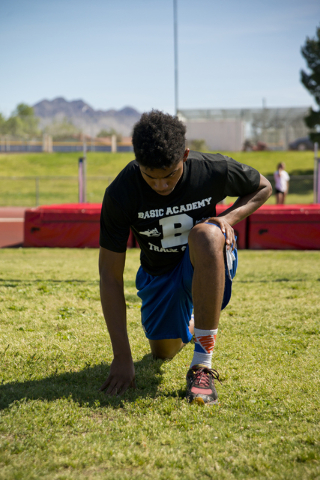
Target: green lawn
{"points": [[297, 163], [56, 353], [22, 192], [110, 164]]}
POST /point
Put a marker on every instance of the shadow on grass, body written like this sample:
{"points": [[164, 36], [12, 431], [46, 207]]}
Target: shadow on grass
{"points": [[83, 386], [301, 171], [6, 282], [276, 280]]}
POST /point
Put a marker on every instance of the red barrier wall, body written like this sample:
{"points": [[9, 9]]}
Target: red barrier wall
{"points": [[68, 225], [270, 227], [284, 227], [78, 226], [74, 225]]}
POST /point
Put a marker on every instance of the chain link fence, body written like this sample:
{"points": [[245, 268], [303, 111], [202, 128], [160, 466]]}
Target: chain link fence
{"points": [[47, 190], [10, 144]]}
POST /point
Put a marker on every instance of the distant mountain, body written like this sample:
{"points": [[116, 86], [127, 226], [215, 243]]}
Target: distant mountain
{"points": [[84, 117]]}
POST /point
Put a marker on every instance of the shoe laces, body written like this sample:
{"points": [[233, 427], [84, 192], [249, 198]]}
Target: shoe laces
{"points": [[202, 376]]}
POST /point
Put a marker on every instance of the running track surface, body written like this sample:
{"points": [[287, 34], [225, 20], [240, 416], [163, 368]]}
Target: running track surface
{"points": [[11, 226]]}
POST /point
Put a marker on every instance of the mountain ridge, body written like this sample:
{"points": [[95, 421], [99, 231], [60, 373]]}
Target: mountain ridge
{"points": [[84, 117]]}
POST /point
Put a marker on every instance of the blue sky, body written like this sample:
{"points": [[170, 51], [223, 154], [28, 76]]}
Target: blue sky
{"points": [[120, 53]]}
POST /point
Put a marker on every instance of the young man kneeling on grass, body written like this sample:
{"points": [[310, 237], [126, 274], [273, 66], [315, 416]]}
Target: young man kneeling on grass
{"points": [[168, 197]]}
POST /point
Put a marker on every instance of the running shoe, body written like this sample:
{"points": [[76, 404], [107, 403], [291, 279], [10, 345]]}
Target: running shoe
{"points": [[200, 385]]}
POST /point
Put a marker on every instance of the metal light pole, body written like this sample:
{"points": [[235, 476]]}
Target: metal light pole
{"points": [[316, 175], [175, 29], [82, 174], [84, 170]]}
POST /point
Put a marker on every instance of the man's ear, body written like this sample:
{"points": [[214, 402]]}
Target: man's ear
{"points": [[186, 154]]}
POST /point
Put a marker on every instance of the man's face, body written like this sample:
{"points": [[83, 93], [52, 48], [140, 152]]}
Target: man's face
{"points": [[164, 180]]}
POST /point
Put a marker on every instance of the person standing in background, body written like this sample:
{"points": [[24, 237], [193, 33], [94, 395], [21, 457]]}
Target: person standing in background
{"points": [[281, 178]]}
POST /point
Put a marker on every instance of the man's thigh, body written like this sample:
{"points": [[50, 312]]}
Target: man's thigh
{"points": [[167, 302], [167, 299]]}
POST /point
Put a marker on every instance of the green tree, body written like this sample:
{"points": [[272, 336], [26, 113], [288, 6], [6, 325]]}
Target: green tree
{"points": [[24, 111], [109, 133], [2, 121], [311, 52], [199, 145], [13, 126], [22, 123], [63, 131]]}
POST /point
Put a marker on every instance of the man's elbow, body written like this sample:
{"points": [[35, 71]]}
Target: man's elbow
{"points": [[269, 190], [266, 187]]}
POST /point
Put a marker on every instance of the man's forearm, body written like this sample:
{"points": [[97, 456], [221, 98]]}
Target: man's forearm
{"points": [[114, 311], [246, 205]]}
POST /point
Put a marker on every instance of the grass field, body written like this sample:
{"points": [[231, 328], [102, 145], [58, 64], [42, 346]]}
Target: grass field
{"points": [[55, 354], [22, 192]]}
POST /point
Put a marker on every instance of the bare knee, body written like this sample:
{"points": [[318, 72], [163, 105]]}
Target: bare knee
{"points": [[206, 234], [167, 348], [205, 239]]}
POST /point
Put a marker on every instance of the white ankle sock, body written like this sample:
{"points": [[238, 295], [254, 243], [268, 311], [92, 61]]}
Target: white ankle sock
{"points": [[204, 345]]}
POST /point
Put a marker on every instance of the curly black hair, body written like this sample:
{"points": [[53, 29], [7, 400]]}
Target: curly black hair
{"points": [[158, 140]]}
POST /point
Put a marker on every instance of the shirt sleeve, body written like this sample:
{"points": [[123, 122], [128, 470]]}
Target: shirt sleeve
{"points": [[114, 226], [241, 179]]}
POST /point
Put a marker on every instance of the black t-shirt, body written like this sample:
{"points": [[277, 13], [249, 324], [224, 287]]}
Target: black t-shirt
{"points": [[161, 223]]}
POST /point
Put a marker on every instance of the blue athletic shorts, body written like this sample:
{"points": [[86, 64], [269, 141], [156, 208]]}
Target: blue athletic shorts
{"points": [[167, 300]]}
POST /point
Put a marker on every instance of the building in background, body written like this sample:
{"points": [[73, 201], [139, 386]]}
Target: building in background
{"points": [[229, 129]]}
